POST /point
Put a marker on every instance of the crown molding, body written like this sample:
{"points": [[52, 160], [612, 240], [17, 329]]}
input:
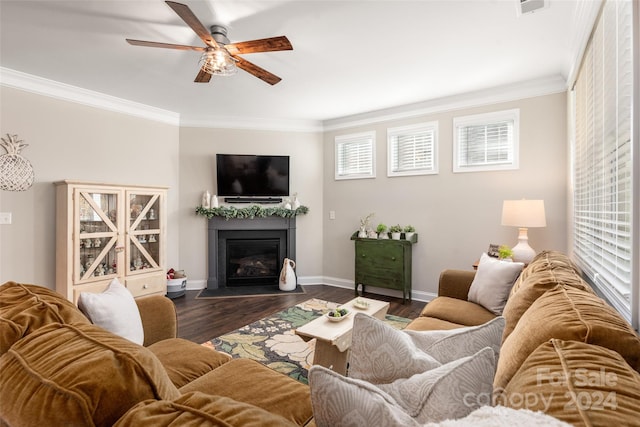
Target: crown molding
{"points": [[252, 123], [41, 86], [528, 89]]}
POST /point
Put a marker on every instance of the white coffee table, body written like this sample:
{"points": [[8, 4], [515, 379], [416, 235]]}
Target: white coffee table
{"points": [[333, 339]]}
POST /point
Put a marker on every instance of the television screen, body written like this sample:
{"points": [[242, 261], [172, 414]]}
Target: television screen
{"points": [[242, 175]]}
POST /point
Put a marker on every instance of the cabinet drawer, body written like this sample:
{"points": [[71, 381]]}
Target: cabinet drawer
{"points": [[146, 285]]}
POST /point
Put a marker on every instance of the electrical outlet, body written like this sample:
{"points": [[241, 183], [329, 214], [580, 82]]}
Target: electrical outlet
{"points": [[5, 218], [332, 214]]}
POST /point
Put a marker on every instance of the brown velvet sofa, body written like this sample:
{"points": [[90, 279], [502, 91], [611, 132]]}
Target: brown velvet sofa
{"points": [[57, 369], [564, 350]]}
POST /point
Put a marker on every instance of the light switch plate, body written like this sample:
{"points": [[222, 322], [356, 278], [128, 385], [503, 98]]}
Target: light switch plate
{"points": [[5, 218]]}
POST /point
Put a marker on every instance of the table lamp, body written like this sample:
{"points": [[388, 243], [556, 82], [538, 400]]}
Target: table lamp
{"points": [[523, 214]]}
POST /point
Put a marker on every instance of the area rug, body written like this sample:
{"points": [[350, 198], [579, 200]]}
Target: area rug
{"points": [[272, 341], [247, 291]]}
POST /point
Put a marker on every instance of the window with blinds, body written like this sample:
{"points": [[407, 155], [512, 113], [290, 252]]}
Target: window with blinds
{"points": [[355, 156], [602, 164], [412, 150], [486, 142]]}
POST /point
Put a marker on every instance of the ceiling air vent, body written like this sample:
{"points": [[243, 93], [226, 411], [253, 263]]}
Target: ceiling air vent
{"points": [[530, 6]]}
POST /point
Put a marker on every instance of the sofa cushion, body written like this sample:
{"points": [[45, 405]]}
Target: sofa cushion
{"points": [[544, 261], [448, 345], [114, 310], [582, 384], [381, 354], [535, 286], [457, 311], [26, 308], [492, 283], [342, 401], [248, 381], [200, 410], [452, 390], [77, 375], [424, 323], [185, 361], [569, 314]]}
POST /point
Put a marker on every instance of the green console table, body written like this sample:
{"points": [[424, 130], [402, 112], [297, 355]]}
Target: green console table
{"points": [[384, 263]]}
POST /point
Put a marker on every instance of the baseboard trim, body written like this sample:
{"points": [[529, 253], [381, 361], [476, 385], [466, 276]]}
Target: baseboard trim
{"points": [[195, 285]]}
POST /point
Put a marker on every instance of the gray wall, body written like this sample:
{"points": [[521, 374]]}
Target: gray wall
{"points": [[198, 148], [72, 141], [456, 215]]}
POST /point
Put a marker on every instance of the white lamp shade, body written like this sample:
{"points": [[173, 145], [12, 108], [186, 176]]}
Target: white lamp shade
{"points": [[523, 213]]}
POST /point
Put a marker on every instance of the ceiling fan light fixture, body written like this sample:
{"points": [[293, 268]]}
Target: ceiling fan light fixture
{"points": [[218, 62]]}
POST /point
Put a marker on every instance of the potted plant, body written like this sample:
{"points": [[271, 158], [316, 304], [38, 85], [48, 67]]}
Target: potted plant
{"points": [[382, 231], [396, 231], [505, 252], [409, 231]]}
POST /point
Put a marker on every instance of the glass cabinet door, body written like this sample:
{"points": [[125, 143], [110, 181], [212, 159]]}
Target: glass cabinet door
{"points": [[144, 233], [97, 235]]}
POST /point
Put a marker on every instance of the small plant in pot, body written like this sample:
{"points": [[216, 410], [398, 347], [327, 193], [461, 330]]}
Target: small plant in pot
{"points": [[382, 231], [396, 231], [505, 252], [409, 231]]}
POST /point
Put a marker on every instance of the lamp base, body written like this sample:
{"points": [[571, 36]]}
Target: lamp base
{"points": [[522, 252]]}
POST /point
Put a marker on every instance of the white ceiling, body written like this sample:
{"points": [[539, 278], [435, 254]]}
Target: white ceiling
{"points": [[349, 57]]}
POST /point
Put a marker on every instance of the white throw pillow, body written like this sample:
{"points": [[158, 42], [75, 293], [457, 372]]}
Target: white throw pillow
{"points": [[114, 310], [381, 354], [492, 283], [448, 345], [340, 401], [450, 391], [453, 390]]}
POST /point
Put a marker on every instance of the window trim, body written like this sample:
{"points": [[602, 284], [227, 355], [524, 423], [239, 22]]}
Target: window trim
{"points": [[485, 119], [415, 128], [354, 137]]}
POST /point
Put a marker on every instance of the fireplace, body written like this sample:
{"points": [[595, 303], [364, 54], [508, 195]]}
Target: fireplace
{"points": [[249, 252]]}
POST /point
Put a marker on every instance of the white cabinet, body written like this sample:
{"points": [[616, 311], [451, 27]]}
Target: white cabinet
{"points": [[106, 231]]}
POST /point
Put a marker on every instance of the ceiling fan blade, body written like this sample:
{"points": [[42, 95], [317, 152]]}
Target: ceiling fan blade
{"points": [[164, 45], [271, 44], [191, 20], [259, 72], [202, 77]]}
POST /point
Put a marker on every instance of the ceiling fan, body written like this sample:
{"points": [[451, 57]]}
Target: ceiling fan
{"points": [[219, 56]]}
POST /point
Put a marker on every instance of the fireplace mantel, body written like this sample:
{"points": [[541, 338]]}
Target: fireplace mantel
{"points": [[217, 224]]}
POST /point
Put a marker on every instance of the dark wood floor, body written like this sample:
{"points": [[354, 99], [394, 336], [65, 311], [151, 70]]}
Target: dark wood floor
{"points": [[202, 319]]}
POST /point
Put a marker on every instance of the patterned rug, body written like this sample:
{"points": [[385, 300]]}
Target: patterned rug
{"points": [[272, 341]]}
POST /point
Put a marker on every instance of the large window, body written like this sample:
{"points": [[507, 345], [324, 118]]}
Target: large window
{"points": [[412, 150], [355, 156], [486, 142], [602, 164]]}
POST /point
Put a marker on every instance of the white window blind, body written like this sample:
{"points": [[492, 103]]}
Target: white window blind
{"points": [[355, 156], [486, 141], [412, 150], [602, 163]]}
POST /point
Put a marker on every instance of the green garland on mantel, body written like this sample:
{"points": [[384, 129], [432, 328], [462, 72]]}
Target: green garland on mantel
{"points": [[250, 212]]}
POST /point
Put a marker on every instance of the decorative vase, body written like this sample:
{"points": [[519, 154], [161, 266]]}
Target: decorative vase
{"points": [[206, 199], [295, 204], [383, 236], [214, 202], [362, 233], [288, 276]]}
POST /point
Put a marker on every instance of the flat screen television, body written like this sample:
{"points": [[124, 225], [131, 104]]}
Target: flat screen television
{"points": [[242, 175]]}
